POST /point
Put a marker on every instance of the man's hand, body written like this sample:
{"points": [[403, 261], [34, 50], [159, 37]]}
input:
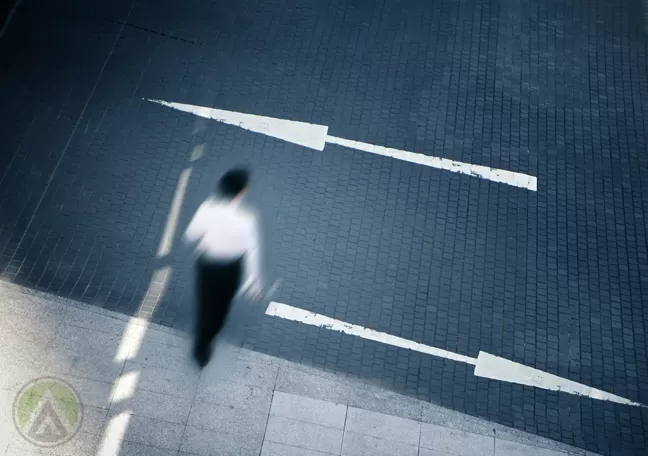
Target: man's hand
{"points": [[254, 292], [256, 297], [257, 293]]}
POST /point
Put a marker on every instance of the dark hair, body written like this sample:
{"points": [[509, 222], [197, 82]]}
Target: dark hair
{"points": [[233, 182]]}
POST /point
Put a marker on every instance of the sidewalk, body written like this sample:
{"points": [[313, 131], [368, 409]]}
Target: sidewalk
{"points": [[141, 395]]}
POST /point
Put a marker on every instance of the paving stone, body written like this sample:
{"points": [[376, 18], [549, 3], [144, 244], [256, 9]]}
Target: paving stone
{"points": [[80, 362], [383, 426], [306, 435], [96, 322], [455, 442], [363, 445], [383, 401], [6, 419], [294, 381], [309, 410], [32, 351], [35, 329], [138, 449], [164, 381], [277, 449], [506, 448], [14, 376], [81, 443], [94, 419], [167, 356], [154, 432], [91, 392], [227, 419], [235, 395], [19, 451], [242, 371], [87, 342], [514, 435], [428, 452], [207, 442], [155, 336], [38, 307], [174, 409]]}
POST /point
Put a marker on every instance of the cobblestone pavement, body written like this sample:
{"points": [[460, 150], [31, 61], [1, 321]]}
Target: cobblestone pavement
{"points": [[553, 279]]}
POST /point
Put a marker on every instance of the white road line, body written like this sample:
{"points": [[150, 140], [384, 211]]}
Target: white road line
{"points": [[293, 313], [486, 365], [496, 368], [493, 174], [316, 136], [304, 134]]}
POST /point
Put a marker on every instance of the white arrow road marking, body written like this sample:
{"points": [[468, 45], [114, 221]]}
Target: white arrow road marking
{"points": [[304, 134], [315, 137], [496, 368], [492, 174], [303, 316], [486, 365]]}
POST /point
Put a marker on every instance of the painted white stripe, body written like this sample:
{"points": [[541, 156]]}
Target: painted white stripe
{"points": [[496, 368], [302, 133], [125, 387], [114, 434], [303, 316], [174, 214], [133, 336], [486, 365], [484, 172], [315, 137]]}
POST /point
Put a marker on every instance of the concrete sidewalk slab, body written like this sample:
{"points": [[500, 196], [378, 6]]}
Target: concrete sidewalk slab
{"points": [[140, 394]]}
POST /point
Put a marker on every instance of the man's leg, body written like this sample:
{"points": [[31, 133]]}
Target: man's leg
{"points": [[219, 286], [231, 283], [224, 285], [203, 295]]}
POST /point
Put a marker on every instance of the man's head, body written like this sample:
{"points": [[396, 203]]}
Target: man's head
{"points": [[233, 183]]}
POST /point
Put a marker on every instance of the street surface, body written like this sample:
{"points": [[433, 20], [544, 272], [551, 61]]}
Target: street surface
{"points": [[97, 184]]}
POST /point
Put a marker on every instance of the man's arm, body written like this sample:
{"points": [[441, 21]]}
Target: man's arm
{"points": [[253, 282], [196, 228]]}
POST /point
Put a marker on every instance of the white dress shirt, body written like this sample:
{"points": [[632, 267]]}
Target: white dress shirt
{"points": [[225, 231]]}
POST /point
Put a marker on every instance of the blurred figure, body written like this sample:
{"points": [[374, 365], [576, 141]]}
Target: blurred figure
{"points": [[227, 238]]}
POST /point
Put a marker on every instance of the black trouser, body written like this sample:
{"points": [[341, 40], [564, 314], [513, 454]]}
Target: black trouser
{"points": [[216, 286]]}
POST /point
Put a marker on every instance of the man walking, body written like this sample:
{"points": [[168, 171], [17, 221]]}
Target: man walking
{"points": [[227, 240]]}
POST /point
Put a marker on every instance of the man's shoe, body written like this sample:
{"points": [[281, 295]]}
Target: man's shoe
{"points": [[202, 355]]}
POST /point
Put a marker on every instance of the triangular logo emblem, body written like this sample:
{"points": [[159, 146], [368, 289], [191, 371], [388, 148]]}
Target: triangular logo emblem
{"points": [[47, 426], [47, 412]]}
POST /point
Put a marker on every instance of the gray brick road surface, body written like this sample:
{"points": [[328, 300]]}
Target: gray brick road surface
{"points": [[554, 279]]}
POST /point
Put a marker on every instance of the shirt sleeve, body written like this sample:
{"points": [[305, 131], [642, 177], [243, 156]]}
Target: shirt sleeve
{"points": [[196, 228], [253, 259]]}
